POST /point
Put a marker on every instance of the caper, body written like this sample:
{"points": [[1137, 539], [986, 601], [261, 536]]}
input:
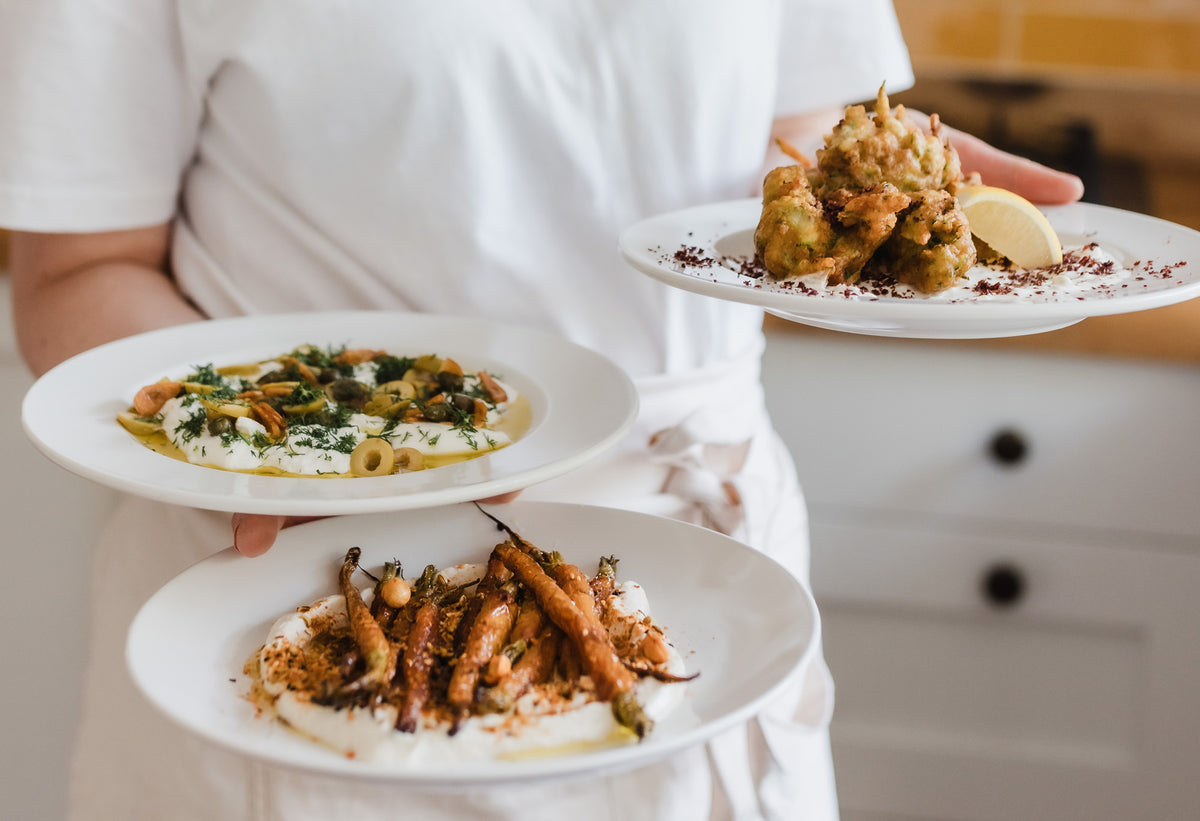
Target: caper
{"points": [[463, 402], [449, 382], [218, 425], [437, 413], [277, 375], [348, 390]]}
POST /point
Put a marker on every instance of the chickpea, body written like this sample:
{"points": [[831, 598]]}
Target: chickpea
{"points": [[395, 592]]}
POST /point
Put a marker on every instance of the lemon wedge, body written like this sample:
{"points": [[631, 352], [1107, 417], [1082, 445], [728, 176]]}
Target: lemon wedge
{"points": [[1011, 225]]}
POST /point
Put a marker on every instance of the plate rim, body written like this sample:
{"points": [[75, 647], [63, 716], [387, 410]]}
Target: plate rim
{"points": [[798, 306], [175, 482], [598, 762]]}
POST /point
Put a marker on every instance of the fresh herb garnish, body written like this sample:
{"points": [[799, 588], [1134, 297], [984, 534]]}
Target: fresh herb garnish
{"points": [[205, 375], [390, 368], [191, 427]]}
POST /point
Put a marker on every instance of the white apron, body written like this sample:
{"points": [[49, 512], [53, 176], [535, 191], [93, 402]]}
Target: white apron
{"points": [[703, 450]]}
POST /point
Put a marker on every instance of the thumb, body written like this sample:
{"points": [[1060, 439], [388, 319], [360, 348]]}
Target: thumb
{"points": [[254, 534]]}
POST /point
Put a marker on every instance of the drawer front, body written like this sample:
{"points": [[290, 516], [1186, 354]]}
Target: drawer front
{"points": [[987, 679], [913, 429]]}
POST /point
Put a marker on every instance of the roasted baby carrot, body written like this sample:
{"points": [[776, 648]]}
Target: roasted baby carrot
{"points": [[378, 654], [612, 681]]}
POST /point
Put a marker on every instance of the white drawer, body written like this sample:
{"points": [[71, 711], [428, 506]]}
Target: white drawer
{"points": [[1076, 699], [907, 428]]}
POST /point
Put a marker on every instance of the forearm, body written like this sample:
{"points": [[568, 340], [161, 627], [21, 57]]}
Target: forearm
{"points": [[74, 292]]}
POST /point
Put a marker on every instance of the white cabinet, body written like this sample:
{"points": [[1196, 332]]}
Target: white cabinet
{"points": [[1012, 638]]}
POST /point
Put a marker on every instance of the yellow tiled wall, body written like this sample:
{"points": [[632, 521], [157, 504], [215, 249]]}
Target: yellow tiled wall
{"points": [[1157, 39]]}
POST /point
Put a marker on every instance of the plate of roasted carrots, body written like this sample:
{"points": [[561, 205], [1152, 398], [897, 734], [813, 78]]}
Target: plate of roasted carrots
{"points": [[472, 644]]}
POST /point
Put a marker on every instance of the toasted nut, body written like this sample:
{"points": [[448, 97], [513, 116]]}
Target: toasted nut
{"points": [[494, 391], [356, 356], [279, 388], [150, 399], [479, 413], [654, 648]]}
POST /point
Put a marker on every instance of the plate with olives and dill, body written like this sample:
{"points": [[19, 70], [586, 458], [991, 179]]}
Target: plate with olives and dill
{"points": [[329, 413]]}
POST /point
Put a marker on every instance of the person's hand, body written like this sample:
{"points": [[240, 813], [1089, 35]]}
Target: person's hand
{"points": [[254, 534], [1033, 181]]}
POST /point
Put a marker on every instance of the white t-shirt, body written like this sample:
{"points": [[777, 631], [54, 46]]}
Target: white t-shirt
{"points": [[463, 157]]}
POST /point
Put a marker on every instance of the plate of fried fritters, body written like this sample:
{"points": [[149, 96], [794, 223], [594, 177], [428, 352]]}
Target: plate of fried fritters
{"points": [[872, 238]]}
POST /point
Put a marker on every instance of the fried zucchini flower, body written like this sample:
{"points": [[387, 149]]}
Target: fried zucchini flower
{"points": [[865, 150], [932, 246]]}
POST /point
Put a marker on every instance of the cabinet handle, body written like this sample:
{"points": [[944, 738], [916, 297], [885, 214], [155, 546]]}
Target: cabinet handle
{"points": [[1003, 585], [1008, 447]]}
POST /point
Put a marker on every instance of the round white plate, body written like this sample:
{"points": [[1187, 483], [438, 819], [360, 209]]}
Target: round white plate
{"points": [[703, 250], [739, 619], [581, 404]]}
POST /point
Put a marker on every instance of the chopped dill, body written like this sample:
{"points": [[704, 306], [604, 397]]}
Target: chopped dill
{"points": [[191, 427], [205, 375], [389, 368]]}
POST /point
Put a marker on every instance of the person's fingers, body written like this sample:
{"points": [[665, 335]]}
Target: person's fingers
{"points": [[254, 534], [1032, 180]]}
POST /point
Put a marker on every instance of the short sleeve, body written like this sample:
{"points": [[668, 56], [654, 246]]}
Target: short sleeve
{"points": [[834, 52], [97, 122]]}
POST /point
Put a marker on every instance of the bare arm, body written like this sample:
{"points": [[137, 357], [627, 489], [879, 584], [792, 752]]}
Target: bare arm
{"points": [[72, 292]]}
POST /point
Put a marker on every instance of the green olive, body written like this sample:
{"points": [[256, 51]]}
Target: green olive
{"points": [[372, 457], [305, 409]]}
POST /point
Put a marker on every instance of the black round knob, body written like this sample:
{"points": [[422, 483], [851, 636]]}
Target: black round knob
{"points": [[1008, 447], [1003, 585]]}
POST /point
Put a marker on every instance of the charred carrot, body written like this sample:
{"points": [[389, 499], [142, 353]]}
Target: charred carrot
{"points": [[378, 654], [604, 583], [532, 667], [613, 682], [418, 651], [380, 610], [485, 636]]}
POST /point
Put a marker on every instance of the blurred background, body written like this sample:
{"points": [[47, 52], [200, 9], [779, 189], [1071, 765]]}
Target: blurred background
{"points": [[1006, 544], [1106, 89]]}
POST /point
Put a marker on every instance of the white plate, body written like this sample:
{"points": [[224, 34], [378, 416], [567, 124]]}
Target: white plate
{"points": [[581, 404], [740, 620], [1163, 262]]}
